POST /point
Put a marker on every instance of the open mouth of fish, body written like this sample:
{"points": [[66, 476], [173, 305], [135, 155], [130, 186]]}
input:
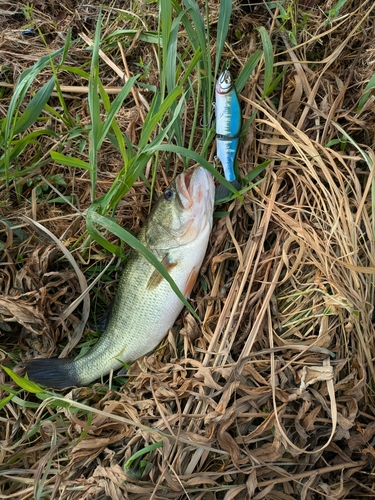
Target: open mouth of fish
{"points": [[186, 188]]}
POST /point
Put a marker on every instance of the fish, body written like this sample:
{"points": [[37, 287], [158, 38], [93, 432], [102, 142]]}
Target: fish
{"points": [[228, 127], [145, 306]]}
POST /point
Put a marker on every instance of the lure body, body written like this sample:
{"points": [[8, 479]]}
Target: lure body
{"points": [[228, 124]]}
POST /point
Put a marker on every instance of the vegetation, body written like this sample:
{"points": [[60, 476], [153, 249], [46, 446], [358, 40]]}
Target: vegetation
{"points": [[264, 389]]}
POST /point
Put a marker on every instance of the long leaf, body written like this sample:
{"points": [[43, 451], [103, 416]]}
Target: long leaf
{"points": [[115, 106], [94, 107], [23, 382], [225, 13], [247, 70], [23, 84], [170, 55], [34, 108], [145, 36], [69, 161], [199, 38], [157, 113], [366, 93], [165, 19], [118, 140], [268, 58], [20, 144], [136, 164]]}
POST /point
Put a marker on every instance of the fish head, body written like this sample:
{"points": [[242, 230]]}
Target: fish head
{"points": [[224, 83], [183, 212]]}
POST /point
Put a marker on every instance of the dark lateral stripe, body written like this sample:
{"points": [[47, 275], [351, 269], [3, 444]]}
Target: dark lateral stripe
{"points": [[227, 137]]}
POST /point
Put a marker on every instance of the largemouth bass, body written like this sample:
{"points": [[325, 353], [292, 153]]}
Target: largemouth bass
{"points": [[145, 306], [228, 127]]}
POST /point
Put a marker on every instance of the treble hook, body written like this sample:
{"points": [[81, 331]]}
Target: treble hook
{"points": [[211, 120]]}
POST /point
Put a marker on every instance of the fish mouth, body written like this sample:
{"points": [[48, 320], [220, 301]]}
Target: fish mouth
{"points": [[185, 188], [195, 189]]}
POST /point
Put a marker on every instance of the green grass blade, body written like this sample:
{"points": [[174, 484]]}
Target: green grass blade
{"points": [[5, 401], [23, 382], [170, 55], [24, 82], [198, 21], [268, 59], [114, 108], [198, 37], [75, 71], [142, 452], [225, 13], [68, 41], [60, 116], [20, 144], [335, 10], [277, 80], [143, 465], [247, 70], [112, 248], [134, 165], [158, 109], [146, 36], [69, 161], [118, 139], [256, 171], [34, 108], [19, 93], [94, 107], [366, 93], [165, 18], [193, 63], [159, 138]]}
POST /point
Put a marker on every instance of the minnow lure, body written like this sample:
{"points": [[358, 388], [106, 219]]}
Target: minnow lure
{"points": [[228, 126]]}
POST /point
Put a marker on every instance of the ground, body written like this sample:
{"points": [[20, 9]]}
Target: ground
{"points": [[270, 394]]}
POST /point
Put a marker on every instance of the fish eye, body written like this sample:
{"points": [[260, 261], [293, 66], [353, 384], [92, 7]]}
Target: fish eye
{"points": [[168, 194]]}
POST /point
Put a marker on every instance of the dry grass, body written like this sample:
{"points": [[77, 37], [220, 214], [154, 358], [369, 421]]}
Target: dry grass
{"points": [[272, 396]]}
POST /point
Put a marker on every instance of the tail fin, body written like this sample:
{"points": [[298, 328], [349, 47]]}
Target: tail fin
{"points": [[57, 373], [222, 191]]}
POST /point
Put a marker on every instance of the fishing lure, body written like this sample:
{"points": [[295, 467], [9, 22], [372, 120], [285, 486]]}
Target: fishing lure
{"points": [[28, 32], [228, 126]]}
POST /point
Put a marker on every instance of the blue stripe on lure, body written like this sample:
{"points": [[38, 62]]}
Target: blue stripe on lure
{"points": [[228, 126]]}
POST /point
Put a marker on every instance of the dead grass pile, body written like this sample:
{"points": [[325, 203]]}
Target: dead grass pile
{"points": [[271, 397]]}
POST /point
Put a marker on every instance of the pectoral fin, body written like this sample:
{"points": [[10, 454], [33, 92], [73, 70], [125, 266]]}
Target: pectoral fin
{"points": [[156, 278]]}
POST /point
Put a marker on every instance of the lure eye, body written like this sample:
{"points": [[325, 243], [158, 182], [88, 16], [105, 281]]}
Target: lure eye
{"points": [[225, 82], [168, 194]]}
